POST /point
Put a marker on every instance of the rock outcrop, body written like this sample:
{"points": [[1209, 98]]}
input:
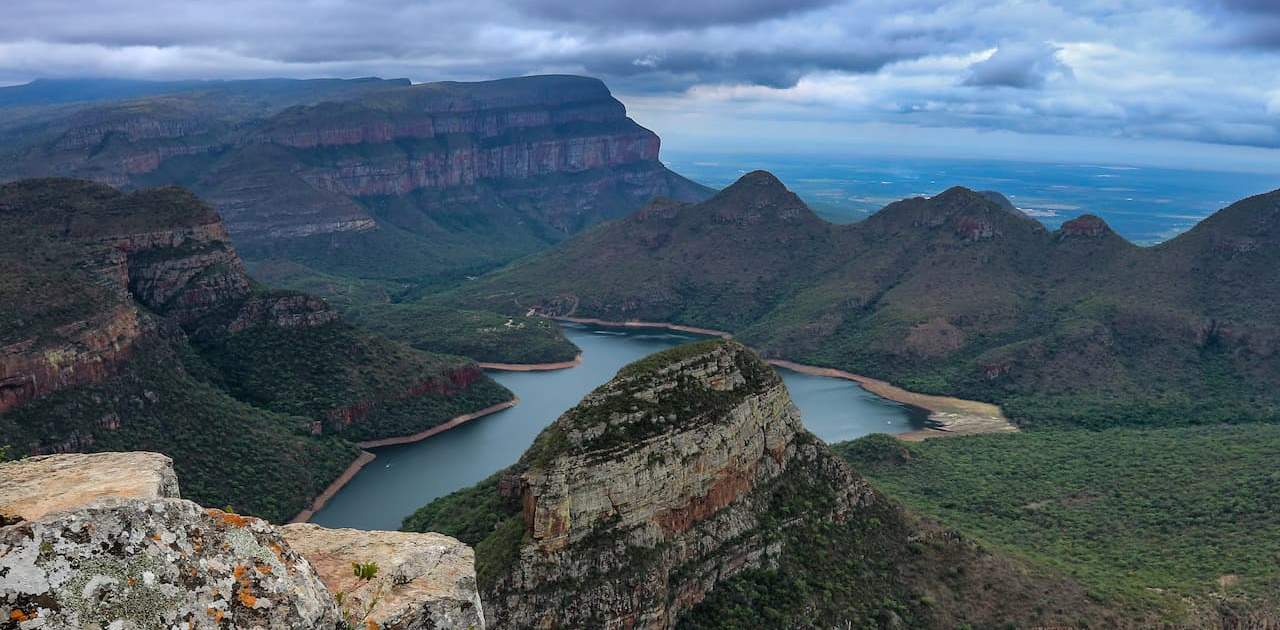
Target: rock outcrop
{"points": [[103, 541], [36, 486], [639, 501], [425, 581]]}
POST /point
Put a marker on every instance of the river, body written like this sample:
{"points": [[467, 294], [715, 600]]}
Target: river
{"points": [[406, 477]]}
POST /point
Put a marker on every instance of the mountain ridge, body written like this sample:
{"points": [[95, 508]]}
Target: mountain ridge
{"points": [[951, 294]]}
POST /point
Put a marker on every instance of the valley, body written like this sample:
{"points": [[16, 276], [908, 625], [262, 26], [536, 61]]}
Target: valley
{"points": [[403, 478], [487, 314]]}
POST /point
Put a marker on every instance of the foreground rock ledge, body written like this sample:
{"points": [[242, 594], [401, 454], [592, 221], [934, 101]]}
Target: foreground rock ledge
{"points": [[35, 486], [102, 541], [424, 580]]}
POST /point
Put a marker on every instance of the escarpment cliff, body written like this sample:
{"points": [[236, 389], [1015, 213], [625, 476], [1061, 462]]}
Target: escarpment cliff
{"points": [[686, 488], [403, 181], [129, 322], [105, 541]]}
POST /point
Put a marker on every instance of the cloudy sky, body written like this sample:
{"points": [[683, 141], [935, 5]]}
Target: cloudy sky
{"points": [[1138, 79]]}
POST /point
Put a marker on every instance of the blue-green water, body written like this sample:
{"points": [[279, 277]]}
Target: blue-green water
{"points": [[1145, 205], [406, 477]]}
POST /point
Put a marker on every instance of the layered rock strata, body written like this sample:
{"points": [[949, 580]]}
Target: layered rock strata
{"points": [[638, 501]]}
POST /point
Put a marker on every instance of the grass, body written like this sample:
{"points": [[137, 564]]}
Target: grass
{"points": [[1140, 517]]}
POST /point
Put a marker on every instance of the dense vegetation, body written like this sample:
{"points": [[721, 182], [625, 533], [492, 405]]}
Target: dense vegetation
{"points": [[480, 335], [225, 452], [955, 294], [316, 371], [141, 329], [1146, 519]]}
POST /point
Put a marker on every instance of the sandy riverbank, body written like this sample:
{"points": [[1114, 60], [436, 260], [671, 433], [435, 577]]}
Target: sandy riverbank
{"points": [[950, 416], [366, 457], [532, 367], [953, 416]]}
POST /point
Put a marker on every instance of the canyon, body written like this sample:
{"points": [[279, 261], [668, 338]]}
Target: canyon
{"points": [[683, 478], [132, 323], [466, 175]]}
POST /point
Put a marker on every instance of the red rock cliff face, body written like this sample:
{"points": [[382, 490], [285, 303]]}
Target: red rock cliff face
{"points": [[446, 384], [182, 272], [294, 173], [88, 351], [466, 166]]}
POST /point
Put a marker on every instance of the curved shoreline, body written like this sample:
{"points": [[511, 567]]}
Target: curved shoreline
{"points": [[641, 324], [532, 367], [365, 456], [950, 416]]}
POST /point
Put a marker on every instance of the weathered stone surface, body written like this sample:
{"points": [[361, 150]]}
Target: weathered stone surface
{"points": [[102, 541], [425, 581], [33, 487], [135, 564], [656, 488]]}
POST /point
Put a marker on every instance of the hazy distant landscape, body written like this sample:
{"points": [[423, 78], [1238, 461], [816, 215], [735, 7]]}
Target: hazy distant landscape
{"points": [[1144, 204]]}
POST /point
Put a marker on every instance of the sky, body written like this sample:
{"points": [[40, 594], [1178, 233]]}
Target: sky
{"points": [[1169, 82]]}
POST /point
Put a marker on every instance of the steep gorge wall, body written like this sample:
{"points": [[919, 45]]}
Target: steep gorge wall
{"points": [[294, 172], [639, 501]]}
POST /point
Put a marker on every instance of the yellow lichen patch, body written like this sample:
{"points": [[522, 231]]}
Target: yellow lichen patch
{"points": [[18, 616]]}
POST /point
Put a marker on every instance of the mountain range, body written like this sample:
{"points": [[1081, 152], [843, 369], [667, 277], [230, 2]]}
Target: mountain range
{"points": [[959, 293]]}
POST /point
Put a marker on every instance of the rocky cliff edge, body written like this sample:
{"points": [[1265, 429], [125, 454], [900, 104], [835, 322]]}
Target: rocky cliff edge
{"points": [[104, 541]]}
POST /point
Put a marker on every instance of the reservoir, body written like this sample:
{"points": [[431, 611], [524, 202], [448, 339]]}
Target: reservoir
{"points": [[408, 476]]}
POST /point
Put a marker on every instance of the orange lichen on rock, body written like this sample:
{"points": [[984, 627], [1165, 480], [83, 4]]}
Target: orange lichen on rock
{"points": [[217, 614], [18, 616], [227, 518]]}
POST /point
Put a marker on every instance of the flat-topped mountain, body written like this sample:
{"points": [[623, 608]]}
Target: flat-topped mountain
{"points": [[128, 322], [958, 293], [368, 178], [685, 491]]}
